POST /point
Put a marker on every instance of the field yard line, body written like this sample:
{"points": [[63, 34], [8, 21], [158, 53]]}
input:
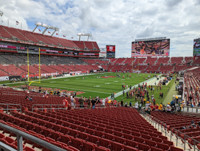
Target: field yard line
{"points": [[136, 85], [80, 90]]}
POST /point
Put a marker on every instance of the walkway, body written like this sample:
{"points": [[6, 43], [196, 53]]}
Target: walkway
{"points": [[170, 94]]}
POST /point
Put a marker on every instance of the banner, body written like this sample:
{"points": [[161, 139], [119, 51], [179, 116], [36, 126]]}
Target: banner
{"points": [[4, 78]]}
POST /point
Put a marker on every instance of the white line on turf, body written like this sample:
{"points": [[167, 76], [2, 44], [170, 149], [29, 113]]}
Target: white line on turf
{"points": [[97, 86], [76, 89]]}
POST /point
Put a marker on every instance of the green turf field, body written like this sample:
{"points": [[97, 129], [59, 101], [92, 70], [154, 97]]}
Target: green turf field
{"points": [[94, 85]]}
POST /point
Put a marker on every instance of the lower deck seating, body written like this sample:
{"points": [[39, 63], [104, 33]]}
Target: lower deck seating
{"points": [[100, 129], [186, 126]]}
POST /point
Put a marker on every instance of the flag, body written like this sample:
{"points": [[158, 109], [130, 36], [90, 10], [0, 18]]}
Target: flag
{"points": [[17, 22], [72, 37], [56, 33], [49, 32], [39, 30], [64, 36]]}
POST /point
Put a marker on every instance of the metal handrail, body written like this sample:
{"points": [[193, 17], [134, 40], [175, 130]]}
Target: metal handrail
{"points": [[188, 108], [34, 139], [10, 104], [51, 106]]}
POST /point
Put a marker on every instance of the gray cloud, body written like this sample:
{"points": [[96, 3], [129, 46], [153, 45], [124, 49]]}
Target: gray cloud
{"points": [[173, 3]]}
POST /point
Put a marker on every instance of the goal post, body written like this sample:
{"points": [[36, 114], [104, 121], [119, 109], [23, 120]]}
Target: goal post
{"points": [[28, 69]]}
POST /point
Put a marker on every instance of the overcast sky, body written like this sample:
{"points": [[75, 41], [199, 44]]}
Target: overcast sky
{"points": [[115, 22]]}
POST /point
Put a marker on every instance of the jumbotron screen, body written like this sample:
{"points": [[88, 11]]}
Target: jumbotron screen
{"points": [[158, 47], [197, 47]]}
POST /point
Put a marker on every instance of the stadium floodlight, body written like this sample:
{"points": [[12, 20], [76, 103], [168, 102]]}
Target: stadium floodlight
{"points": [[84, 34], [46, 27], [55, 30], [38, 24], [1, 13]]}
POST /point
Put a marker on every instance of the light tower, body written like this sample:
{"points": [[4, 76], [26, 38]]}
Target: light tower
{"points": [[83, 34], [46, 28]]}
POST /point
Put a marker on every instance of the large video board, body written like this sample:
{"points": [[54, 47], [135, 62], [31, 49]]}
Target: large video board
{"points": [[154, 47], [196, 47]]}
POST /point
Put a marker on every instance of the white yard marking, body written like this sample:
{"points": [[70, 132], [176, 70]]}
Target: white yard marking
{"points": [[97, 86], [77, 89], [107, 83]]}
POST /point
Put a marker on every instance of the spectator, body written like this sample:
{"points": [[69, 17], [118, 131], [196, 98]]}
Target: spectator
{"points": [[103, 102], [93, 103], [160, 108], [65, 103], [81, 101], [89, 102], [130, 104], [122, 103], [193, 124], [136, 105], [168, 107], [73, 102], [126, 105]]}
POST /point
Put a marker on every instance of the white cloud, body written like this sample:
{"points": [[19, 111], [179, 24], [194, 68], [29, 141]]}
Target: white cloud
{"points": [[113, 22]]}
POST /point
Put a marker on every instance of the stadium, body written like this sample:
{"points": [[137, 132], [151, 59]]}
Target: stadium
{"points": [[61, 93]]}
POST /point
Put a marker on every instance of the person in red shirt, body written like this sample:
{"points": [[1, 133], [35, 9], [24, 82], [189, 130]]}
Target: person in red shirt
{"points": [[65, 103]]}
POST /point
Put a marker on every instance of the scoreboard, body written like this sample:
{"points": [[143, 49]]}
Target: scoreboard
{"points": [[110, 51]]}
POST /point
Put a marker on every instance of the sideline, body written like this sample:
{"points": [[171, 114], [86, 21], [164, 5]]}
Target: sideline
{"points": [[64, 77]]}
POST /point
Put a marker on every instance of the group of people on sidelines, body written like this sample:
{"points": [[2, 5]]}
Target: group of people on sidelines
{"points": [[174, 106]]}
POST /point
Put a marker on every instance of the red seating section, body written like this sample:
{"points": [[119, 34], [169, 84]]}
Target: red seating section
{"points": [[99, 129], [163, 60], [27, 36], [151, 60], [191, 86], [177, 60], [175, 122]]}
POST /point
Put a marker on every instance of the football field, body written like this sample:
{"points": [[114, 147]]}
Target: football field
{"points": [[101, 85]]}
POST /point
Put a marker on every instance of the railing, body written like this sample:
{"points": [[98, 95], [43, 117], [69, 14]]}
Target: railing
{"points": [[161, 125], [50, 107], [191, 109], [10, 109], [21, 135]]}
